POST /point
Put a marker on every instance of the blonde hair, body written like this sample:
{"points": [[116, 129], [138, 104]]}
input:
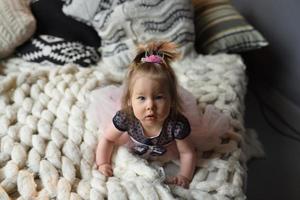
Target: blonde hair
{"points": [[160, 71]]}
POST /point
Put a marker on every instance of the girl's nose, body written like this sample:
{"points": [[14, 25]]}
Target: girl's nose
{"points": [[150, 104]]}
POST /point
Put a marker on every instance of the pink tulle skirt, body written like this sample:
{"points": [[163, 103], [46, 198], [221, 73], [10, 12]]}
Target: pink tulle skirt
{"points": [[207, 128]]}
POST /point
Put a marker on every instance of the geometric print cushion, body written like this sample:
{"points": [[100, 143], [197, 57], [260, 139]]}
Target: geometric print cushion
{"points": [[51, 50]]}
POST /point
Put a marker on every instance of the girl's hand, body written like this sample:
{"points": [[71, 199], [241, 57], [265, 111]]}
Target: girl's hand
{"points": [[106, 169], [178, 180]]}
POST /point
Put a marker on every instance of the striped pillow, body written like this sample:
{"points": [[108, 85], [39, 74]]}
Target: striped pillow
{"points": [[220, 28]]}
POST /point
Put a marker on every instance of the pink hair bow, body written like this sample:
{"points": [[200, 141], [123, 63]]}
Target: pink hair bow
{"points": [[152, 59]]}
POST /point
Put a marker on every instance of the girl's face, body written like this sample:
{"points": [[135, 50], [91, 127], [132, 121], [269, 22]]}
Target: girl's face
{"points": [[150, 101]]}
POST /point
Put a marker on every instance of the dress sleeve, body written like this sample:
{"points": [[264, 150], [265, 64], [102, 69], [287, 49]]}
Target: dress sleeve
{"points": [[120, 121], [182, 128]]}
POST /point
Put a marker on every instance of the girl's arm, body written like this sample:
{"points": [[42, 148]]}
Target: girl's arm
{"points": [[187, 156], [105, 149]]}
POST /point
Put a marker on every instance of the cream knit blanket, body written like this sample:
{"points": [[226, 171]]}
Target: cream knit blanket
{"points": [[48, 143]]}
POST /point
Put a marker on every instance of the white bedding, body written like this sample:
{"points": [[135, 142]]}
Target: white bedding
{"points": [[48, 143]]}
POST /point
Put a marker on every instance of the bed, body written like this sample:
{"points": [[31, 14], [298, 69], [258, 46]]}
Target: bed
{"points": [[47, 139]]}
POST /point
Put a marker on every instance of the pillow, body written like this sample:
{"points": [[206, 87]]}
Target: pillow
{"points": [[123, 24], [140, 21], [220, 28], [51, 50], [59, 39], [83, 11], [17, 24], [52, 21]]}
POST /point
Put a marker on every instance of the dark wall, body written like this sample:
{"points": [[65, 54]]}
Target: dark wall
{"points": [[278, 65]]}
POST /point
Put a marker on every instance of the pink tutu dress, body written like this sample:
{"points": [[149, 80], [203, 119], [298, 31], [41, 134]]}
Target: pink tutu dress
{"points": [[207, 128]]}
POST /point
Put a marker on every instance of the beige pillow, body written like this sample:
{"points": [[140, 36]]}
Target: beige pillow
{"points": [[17, 24]]}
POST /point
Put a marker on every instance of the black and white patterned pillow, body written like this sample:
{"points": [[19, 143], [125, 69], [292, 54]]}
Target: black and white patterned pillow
{"points": [[51, 50], [52, 21]]}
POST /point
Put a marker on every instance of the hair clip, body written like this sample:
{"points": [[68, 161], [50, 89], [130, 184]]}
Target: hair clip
{"points": [[152, 58]]}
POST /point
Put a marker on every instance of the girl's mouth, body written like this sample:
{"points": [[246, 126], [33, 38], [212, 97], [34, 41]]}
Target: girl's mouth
{"points": [[150, 117]]}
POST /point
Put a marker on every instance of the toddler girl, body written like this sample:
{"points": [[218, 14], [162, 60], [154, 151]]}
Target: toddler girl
{"points": [[153, 117]]}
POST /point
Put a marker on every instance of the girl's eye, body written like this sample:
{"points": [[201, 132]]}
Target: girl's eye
{"points": [[159, 97], [141, 98]]}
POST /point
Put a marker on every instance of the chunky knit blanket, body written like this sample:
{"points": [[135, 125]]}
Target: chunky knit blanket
{"points": [[48, 142]]}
